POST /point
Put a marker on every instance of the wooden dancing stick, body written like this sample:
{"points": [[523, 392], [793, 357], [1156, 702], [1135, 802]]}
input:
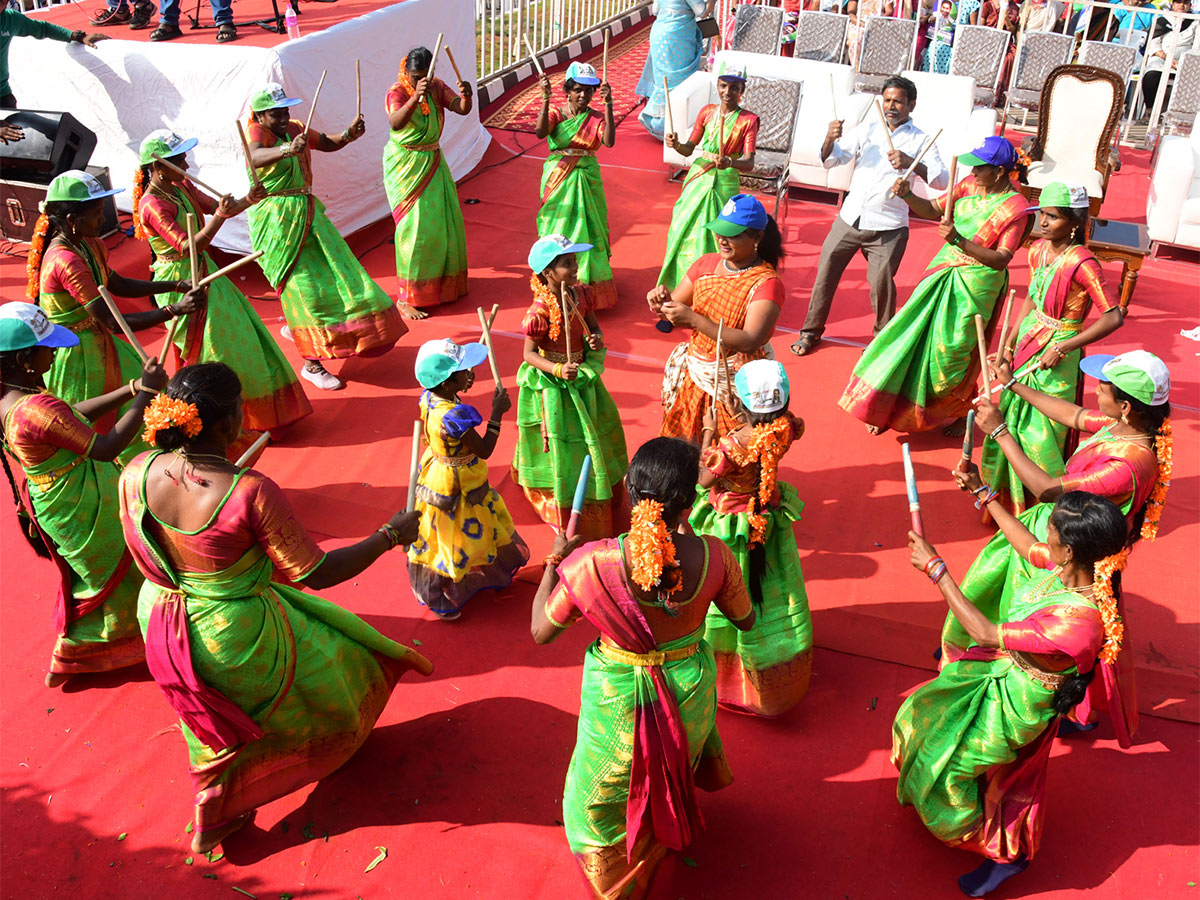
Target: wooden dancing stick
{"points": [[587, 331], [450, 56], [437, 49], [968, 442], [948, 210], [533, 56], [1008, 307], [833, 97], [987, 380], [258, 444], [585, 472], [566, 320], [1029, 367], [604, 67], [487, 342], [237, 263], [912, 167], [667, 103], [414, 467], [717, 359], [887, 131], [116, 314], [312, 109], [492, 315], [193, 179], [246, 150], [910, 484], [358, 85]]}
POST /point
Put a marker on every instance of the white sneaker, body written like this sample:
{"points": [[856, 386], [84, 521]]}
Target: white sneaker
{"points": [[286, 332], [323, 379]]}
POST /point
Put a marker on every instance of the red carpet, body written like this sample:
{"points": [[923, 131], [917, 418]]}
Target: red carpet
{"points": [[517, 110], [462, 780]]}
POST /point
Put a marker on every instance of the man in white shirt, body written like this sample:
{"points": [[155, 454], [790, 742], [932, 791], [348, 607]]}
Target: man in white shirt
{"points": [[870, 222]]}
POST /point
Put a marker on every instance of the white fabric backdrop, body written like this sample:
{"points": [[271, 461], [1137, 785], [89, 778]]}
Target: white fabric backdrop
{"points": [[123, 90]]}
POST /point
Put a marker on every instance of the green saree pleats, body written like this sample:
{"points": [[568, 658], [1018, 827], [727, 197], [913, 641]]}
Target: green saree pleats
{"points": [[431, 243], [766, 670]]}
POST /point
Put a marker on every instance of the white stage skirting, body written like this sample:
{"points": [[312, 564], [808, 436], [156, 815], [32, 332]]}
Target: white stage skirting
{"points": [[123, 90]]}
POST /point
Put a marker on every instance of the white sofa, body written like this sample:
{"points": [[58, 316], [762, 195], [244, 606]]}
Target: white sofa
{"points": [[943, 101], [816, 110], [1173, 203]]}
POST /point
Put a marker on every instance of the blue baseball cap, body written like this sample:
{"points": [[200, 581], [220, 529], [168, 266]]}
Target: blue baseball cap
{"points": [[994, 151], [741, 211], [546, 250], [24, 325], [582, 73]]}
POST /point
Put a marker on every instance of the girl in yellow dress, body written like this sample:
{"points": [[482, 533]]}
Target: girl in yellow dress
{"points": [[467, 541]]}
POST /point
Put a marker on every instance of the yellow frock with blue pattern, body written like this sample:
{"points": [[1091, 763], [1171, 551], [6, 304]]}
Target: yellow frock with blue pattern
{"points": [[467, 541]]}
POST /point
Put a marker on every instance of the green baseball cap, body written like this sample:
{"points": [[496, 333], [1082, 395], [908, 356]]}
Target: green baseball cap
{"points": [[271, 96], [77, 186], [1139, 373], [24, 325], [1063, 195], [438, 360], [164, 144]]}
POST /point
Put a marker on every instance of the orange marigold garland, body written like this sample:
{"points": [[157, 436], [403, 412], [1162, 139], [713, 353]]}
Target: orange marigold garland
{"points": [[405, 82], [541, 291], [651, 550], [767, 445], [33, 262], [1102, 591], [138, 186], [1164, 446], [170, 412]]}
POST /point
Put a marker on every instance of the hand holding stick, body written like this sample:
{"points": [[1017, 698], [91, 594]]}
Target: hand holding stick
{"points": [[983, 361], [414, 468], [194, 180], [667, 103], [912, 167], [313, 108], [887, 129], [246, 150], [968, 443], [910, 483], [487, 342], [237, 263], [1031, 366], [585, 472], [1008, 307], [604, 67], [258, 444], [124, 326]]}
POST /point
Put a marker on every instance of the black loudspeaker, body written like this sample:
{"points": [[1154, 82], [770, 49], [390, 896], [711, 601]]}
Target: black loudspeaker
{"points": [[19, 206], [54, 142]]}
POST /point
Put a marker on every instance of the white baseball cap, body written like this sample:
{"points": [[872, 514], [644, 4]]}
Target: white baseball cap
{"points": [[24, 325], [762, 386]]}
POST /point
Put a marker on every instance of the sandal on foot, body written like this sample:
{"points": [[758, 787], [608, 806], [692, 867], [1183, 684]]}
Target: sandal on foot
{"points": [[805, 344], [107, 16], [165, 33], [142, 13], [226, 33]]}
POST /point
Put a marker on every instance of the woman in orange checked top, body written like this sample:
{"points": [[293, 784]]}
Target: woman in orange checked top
{"points": [[227, 329], [734, 291], [333, 308]]}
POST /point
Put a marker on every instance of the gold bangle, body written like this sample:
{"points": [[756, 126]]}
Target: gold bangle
{"points": [[132, 389]]}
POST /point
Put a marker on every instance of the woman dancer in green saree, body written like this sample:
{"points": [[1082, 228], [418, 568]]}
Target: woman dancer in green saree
{"points": [[69, 497], [647, 719], [725, 134], [431, 245], [1066, 282], [276, 688], [67, 266], [972, 745], [333, 308], [572, 190], [766, 670], [227, 329], [920, 371]]}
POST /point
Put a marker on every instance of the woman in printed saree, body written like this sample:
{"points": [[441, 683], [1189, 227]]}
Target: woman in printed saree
{"points": [[467, 540], [1126, 456], [431, 244], [765, 670], [972, 745], [564, 412], [572, 190], [734, 291], [67, 265], [647, 733], [333, 308], [1066, 282], [275, 687], [676, 51], [919, 372], [725, 135], [227, 329], [68, 501]]}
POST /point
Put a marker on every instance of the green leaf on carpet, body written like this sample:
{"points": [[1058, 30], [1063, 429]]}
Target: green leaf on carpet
{"points": [[122, 835], [688, 861], [417, 642], [191, 826], [285, 897], [307, 831], [210, 875], [220, 856], [378, 859], [189, 860], [240, 891]]}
